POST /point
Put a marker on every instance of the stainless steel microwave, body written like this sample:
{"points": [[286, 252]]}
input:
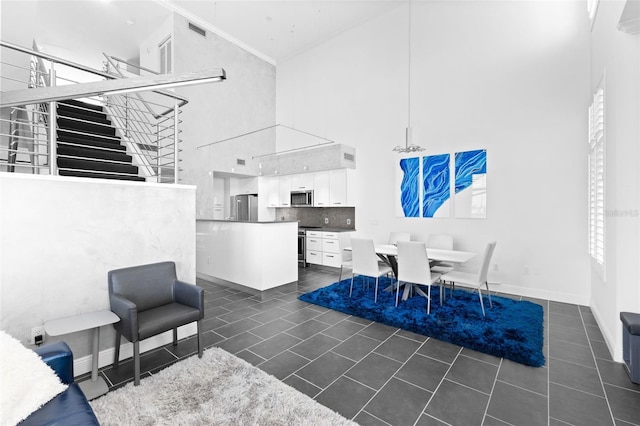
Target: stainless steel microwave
{"points": [[301, 198]]}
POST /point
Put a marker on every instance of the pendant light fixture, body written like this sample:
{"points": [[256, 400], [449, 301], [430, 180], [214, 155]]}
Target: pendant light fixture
{"points": [[408, 146]]}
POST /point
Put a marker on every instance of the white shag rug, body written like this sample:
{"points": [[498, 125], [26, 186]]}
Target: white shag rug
{"points": [[217, 389]]}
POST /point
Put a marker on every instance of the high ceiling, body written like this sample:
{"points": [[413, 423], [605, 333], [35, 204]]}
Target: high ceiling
{"points": [[274, 30]]}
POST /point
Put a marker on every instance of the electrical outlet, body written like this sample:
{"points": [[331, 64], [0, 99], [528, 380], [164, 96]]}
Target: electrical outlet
{"points": [[37, 335], [326, 220], [348, 221]]}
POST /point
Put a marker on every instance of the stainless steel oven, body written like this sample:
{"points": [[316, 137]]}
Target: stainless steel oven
{"points": [[302, 247]]}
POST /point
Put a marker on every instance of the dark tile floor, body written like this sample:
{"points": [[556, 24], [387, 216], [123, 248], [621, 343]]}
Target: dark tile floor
{"points": [[378, 375]]}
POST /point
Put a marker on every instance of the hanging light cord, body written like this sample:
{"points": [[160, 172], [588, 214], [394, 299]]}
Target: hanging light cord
{"points": [[409, 75]]}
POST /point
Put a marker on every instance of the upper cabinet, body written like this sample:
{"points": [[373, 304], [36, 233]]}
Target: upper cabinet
{"points": [[302, 182], [272, 190], [331, 188], [321, 189], [334, 188], [285, 191]]}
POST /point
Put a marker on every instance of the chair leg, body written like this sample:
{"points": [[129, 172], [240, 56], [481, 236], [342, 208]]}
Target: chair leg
{"points": [[397, 291], [175, 337], [375, 297], [136, 363], [481, 302], [340, 277], [199, 326], [489, 294], [351, 287], [429, 301], [116, 357]]}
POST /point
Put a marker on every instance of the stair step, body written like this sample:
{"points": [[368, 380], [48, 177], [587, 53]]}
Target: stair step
{"points": [[86, 127], [83, 110], [73, 124], [79, 143], [81, 104], [97, 165], [85, 152], [83, 115], [79, 173], [69, 135]]}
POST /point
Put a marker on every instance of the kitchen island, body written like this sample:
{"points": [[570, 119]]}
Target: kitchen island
{"points": [[256, 257]]}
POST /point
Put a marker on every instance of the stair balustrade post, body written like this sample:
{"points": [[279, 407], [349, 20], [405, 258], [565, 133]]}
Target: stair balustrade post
{"points": [[53, 147], [175, 142]]}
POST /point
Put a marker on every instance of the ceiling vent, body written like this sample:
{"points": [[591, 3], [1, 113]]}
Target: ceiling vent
{"points": [[197, 29], [240, 162]]}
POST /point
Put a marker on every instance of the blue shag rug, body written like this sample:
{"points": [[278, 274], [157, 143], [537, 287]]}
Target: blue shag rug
{"points": [[512, 329]]}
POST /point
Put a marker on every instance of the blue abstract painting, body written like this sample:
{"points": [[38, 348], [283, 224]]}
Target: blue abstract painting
{"points": [[410, 187], [471, 184], [436, 179]]}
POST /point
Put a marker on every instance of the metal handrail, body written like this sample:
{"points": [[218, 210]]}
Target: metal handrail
{"points": [[141, 130], [61, 61], [144, 102]]}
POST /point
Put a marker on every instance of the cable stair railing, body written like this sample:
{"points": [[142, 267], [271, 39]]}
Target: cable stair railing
{"points": [[109, 136], [152, 127]]}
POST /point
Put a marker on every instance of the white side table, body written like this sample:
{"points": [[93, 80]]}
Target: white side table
{"points": [[92, 320]]}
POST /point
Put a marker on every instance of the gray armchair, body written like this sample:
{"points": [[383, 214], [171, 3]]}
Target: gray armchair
{"points": [[150, 300]]}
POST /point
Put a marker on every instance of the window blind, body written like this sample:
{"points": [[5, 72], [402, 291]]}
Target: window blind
{"points": [[597, 177]]}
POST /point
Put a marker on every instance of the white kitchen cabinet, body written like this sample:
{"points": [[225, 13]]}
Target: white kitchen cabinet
{"points": [[285, 191], [302, 182], [321, 189], [323, 248], [247, 185], [314, 247], [334, 188], [272, 191]]}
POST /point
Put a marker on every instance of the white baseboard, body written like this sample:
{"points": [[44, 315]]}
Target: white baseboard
{"points": [[616, 353], [105, 357], [539, 294]]}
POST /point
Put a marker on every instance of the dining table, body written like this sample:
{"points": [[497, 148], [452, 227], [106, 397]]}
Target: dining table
{"points": [[388, 253]]}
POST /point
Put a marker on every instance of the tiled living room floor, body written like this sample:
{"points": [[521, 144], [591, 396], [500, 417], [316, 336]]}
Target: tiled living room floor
{"points": [[375, 374]]}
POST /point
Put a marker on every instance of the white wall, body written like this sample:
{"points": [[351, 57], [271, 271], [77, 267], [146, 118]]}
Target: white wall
{"points": [[60, 236], [243, 103], [617, 55], [510, 77]]}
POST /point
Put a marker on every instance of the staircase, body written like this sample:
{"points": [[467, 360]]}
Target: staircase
{"points": [[88, 145]]}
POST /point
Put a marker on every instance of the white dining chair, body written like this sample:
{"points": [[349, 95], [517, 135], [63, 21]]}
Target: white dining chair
{"points": [[444, 242], [344, 241], [394, 237], [475, 281], [413, 270], [365, 262]]}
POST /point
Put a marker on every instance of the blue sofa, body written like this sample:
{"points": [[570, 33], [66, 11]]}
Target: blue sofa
{"points": [[69, 407]]}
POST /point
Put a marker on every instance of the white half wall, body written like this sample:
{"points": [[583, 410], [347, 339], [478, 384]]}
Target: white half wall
{"points": [[508, 77], [60, 236]]}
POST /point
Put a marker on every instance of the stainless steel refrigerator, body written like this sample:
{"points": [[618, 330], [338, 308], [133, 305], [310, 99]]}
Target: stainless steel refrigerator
{"points": [[245, 207]]}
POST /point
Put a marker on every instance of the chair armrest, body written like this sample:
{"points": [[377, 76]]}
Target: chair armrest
{"points": [[59, 357], [127, 311], [190, 295]]}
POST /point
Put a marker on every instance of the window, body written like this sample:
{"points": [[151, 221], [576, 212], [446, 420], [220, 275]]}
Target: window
{"points": [[597, 178], [165, 57]]}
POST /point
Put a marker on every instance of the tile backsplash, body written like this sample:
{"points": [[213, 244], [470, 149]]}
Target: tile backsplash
{"points": [[331, 217]]}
